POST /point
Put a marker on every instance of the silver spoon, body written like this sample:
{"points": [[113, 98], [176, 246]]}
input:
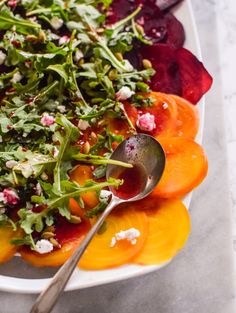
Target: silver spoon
{"points": [[144, 153]]}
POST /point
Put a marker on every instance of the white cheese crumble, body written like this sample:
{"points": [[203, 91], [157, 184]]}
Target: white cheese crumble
{"points": [[11, 163], [83, 125], [47, 120], [55, 152], [104, 195], [63, 40], [61, 108], [165, 105], [56, 22], [38, 189], [43, 246], [130, 235], [146, 122], [128, 66], [16, 77], [78, 55], [124, 93], [2, 57]]}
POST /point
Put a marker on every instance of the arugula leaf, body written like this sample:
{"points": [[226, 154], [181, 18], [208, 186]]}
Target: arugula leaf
{"points": [[8, 20], [61, 70], [26, 240], [71, 134]]}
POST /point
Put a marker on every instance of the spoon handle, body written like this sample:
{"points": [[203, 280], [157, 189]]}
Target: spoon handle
{"points": [[47, 299]]}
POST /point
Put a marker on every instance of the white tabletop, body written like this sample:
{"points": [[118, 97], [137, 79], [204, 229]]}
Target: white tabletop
{"points": [[226, 13]]}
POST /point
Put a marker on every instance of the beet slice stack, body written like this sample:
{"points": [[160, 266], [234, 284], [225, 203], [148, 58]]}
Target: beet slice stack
{"points": [[178, 71]]}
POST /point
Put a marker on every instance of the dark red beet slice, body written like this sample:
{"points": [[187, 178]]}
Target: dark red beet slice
{"points": [[158, 26], [167, 77], [175, 34], [195, 79], [178, 71]]}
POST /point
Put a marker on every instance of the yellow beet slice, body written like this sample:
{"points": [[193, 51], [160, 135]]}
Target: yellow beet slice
{"points": [[169, 227], [100, 254], [7, 250]]}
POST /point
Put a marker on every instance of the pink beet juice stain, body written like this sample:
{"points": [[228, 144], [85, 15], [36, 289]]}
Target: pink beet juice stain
{"points": [[134, 182]]}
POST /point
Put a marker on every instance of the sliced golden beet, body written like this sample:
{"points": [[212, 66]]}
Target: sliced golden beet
{"points": [[80, 174], [7, 250], [169, 227], [68, 235], [100, 254], [187, 118], [186, 167], [164, 110]]}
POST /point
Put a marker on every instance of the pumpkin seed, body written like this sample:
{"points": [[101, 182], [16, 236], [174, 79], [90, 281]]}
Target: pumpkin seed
{"points": [[74, 219], [146, 64]]}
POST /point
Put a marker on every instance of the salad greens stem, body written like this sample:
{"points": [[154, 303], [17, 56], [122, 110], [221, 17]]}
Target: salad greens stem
{"points": [[8, 75], [70, 61], [15, 21], [97, 160], [122, 23], [47, 90], [39, 11], [54, 203]]}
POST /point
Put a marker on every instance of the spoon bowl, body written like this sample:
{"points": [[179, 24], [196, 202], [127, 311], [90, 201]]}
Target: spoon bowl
{"points": [[146, 154]]}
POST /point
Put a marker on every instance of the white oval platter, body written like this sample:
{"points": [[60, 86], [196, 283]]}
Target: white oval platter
{"points": [[84, 279]]}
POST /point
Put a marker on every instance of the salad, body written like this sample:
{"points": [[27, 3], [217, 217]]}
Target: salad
{"points": [[78, 77]]}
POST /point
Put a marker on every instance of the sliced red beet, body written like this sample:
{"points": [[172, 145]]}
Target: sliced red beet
{"points": [[178, 71], [158, 26], [195, 79], [167, 77]]}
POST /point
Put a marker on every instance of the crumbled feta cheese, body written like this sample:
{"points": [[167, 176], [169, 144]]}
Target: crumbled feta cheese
{"points": [[43, 246], [104, 195], [61, 108], [50, 35], [83, 125], [47, 120], [128, 66], [146, 122], [63, 39], [124, 93], [2, 57], [165, 105], [78, 55], [130, 235], [55, 152], [16, 77], [56, 22], [11, 163], [9, 196], [38, 189], [33, 19]]}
